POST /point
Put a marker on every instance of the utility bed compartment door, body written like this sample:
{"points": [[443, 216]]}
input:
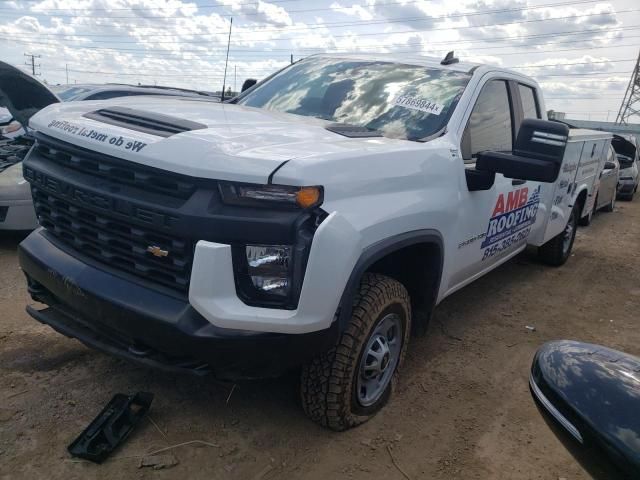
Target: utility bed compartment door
{"points": [[591, 164], [559, 203], [583, 160]]}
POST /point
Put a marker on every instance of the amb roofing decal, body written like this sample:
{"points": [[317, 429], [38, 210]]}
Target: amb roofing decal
{"points": [[511, 220]]}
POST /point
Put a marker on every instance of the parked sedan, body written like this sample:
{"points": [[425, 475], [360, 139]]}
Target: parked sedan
{"points": [[608, 189], [627, 153], [75, 93]]}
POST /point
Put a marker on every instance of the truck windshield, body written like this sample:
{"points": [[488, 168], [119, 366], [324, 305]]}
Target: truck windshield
{"points": [[400, 101]]}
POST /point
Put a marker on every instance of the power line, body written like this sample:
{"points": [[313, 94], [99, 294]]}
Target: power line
{"points": [[203, 50], [510, 67], [363, 23], [218, 5], [209, 74]]}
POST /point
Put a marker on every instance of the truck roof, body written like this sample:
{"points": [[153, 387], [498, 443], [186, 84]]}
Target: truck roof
{"points": [[421, 60]]}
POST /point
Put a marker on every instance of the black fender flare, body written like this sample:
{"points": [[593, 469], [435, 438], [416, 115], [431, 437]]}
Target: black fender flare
{"points": [[379, 250]]}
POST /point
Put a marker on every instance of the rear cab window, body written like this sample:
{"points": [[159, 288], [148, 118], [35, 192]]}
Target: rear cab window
{"points": [[529, 98]]}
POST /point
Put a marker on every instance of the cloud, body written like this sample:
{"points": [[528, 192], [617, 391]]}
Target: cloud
{"points": [[261, 11], [354, 10], [415, 14], [181, 43]]}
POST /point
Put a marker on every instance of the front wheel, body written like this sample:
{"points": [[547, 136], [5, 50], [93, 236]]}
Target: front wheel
{"points": [[557, 250], [350, 383]]}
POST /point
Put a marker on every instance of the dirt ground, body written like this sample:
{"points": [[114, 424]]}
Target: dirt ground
{"points": [[462, 409]]}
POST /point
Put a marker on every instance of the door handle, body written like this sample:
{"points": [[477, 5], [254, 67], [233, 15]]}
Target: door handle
{"points": [[518, 182]]}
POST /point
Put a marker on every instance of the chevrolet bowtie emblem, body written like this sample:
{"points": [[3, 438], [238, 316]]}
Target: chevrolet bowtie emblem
{"points": [[157, 251]]}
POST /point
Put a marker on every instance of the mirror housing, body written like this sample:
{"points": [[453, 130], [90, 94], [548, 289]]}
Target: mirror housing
{"points": [[248, 83], [609, 165], [589, 396], [537, 154]]}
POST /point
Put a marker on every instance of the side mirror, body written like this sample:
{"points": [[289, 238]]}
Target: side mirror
{"points": [[589, 396], [248, 83], [609, 165], [537, 154]]}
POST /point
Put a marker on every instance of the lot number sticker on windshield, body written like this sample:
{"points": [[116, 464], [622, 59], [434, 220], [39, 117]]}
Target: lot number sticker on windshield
{"points": [[416, 103]]}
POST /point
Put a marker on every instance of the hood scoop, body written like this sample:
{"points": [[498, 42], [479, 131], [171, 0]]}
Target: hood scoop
{"points": [[146, 122], [352, 131]]}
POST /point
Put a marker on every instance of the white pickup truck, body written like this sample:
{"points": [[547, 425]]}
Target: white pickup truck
{"points": [[314, 221]]}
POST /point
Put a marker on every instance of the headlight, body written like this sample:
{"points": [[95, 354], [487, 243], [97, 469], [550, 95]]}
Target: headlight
{"points": [[268, 268], [12, 176], [265, 275], [270, 195]]}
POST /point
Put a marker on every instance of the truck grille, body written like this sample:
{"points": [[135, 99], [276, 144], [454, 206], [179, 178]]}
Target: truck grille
{"points": [[116, 243], [146, 178], [157, 253]]}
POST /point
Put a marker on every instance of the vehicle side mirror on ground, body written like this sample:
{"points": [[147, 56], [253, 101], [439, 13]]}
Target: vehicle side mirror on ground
{"points": [[609, 165], [537, 154], [590, 397], [248, 83]]}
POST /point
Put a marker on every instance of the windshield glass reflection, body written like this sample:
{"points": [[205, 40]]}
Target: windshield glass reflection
{"points": [[401, 101]]}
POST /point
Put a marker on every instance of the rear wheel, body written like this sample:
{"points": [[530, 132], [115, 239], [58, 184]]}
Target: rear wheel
{"points": [[350, 383], [557, 250]]}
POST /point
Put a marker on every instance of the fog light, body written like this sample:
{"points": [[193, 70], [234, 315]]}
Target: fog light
{"points": [[268, 268]]}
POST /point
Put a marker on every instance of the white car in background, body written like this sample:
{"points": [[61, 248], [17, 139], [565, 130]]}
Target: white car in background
{"points": [[608, 188], [23, 96], [626, 148], [76, 92]]}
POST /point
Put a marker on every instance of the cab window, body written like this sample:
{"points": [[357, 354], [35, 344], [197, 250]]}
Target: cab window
{"points": [[530, 107], [490, 126]]}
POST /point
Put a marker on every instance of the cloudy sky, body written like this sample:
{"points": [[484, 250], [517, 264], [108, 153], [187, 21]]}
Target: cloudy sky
{"points": [[582, 51]]}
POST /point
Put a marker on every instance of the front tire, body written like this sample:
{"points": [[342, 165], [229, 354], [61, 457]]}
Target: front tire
{"points": [[557, 250], [350, 383]]}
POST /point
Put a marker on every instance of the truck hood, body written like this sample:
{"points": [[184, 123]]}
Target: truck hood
{"points": [[22, 94], [232, 142]]}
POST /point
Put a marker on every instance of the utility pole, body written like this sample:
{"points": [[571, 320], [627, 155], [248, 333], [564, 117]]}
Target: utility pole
{"points": [[32, 63], [224, 79], [292, 59], [235, 77], [630, 106], [66, 67]]}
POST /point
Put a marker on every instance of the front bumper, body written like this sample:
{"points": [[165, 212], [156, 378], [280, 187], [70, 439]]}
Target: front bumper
{"points": [[625, 187], [127, 319]]}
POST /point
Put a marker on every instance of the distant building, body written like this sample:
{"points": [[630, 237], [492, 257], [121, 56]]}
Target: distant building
{"points": [[633, 129]]}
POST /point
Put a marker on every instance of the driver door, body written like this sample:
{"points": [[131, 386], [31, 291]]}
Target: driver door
{"points": [[493, 223]]}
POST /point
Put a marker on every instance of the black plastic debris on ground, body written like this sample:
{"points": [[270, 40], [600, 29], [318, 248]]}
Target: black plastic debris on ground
{"points": [[111, 427]]}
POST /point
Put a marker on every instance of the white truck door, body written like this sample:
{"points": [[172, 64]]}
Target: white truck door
{"points": [[493, 224]]}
